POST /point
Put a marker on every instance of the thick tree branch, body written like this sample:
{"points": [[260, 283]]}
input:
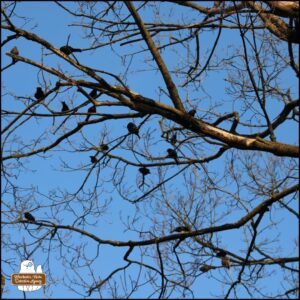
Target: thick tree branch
{"points": [[163, 68]]}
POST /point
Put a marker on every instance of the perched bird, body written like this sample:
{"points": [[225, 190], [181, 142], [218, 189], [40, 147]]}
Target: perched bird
{"points": [[104, 147], [221, 253], [65, 107], [133, 129], [93, 159], [68, 49], [173, 139], [172, 154], [28, 216], [144, 171], [225, 262], [206, 268], [14, 51], [53, 232], [192, 112], [39, 94], [93, 93], [181, 229], [92, 109]]}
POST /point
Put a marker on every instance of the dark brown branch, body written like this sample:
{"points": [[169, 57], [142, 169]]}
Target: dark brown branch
{"points": [[163, 68]]}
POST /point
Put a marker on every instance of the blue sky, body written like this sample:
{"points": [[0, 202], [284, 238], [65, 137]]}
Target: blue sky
{"points": [[45, 171]]}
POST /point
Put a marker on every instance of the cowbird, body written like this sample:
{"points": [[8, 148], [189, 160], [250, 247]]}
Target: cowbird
{"points": [[221, 253], [53, 232], [173, 139], [133, 129], [14, 51], [192, 112], [39, 94], [206, 268], [93, 93], [68, 49], [92, 109], [65, 107], [104, 147], [28, 216], [181, 229], [225, 262], [172, 154], [93, 159], [144, 171]]}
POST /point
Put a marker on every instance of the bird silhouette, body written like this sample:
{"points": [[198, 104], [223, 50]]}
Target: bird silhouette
{"points": [[93, 159], [28, 216], [206, 268], [225, 262], [181, 229], [92, 109], [93, 93], [53, 232], [132, 129], [65, 107], [39, 94], [68, 49], [172, 154], [104, 147], [174, 139], [192, 112], [221, 253], [14, 51], [144, 171]]}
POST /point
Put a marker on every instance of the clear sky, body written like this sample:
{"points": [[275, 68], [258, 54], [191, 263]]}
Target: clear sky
{"points": [[51, 23]]}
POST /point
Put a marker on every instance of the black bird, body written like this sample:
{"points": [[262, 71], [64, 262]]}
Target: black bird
{"points": [[104, 147], [39, 94], [133, 129], [144, 171], [53, 232], [192, 112], [14, 51], [225, 262], [221, 253], [181, 229], [68, 49], [28, 216], [206, 268], [65, 107], [93, 159], [93, 93], [173, 139], [92, 109], [172, 154]]}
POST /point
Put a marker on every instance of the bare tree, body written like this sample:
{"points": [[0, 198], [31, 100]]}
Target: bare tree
{"points": [[203, 187]]}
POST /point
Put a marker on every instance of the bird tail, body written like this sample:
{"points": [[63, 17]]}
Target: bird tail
{"points": [[76, 50]]}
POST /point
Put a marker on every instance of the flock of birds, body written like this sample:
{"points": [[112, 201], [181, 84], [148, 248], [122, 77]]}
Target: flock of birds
{"points": [[132, 129]]}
